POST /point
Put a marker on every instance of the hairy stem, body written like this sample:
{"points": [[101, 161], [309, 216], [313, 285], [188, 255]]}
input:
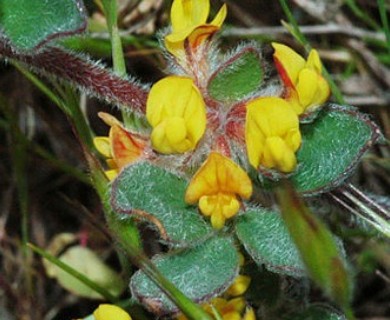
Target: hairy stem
{"points": [[82, 73]]}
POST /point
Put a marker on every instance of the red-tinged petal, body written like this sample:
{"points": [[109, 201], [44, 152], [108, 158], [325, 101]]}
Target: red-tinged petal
{"points": [[201, 34], [288, 63], [125, 148], [189, 21]]}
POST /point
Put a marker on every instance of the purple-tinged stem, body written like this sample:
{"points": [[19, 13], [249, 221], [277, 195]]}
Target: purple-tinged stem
{"points": [[84, 74]]}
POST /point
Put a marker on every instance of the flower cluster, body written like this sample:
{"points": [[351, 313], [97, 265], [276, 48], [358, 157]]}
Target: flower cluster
{"points": [[212, 136]]}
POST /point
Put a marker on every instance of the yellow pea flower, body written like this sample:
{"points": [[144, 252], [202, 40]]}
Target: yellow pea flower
{"points": [[306, 87], [231, 304], [217, 186], [228, 309], [189, 21], [110, 312], [272, 134], [120, 147], [239, 286], [176, 111], [249, 314]]}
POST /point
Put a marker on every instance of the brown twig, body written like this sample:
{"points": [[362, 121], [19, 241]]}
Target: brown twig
{"points": [[379, 70], [329, 28]]}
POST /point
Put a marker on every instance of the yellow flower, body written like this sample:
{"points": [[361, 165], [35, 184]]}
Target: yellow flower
{"points": [[239, 286], [216, 186], [272, 134], [176, 111], [120, 147], [189, 21], [110, 312], [306, 87], [233, 309], [228, 309]]}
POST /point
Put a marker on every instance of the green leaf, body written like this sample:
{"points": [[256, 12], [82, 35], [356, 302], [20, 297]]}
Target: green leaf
{"points": [[238, 77], [318, 313], [266, 238], [201, 273], [30, 23], [160, 193], [317, 246], [331, 148]]}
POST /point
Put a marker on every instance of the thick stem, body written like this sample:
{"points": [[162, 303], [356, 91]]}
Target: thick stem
{"points": [[84, 74]]}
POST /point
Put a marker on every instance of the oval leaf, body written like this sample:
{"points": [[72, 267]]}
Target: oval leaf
{"points": [[331, 148], [159, 193], [201, 273], [238, 77], [30, 23], [266, 238]]}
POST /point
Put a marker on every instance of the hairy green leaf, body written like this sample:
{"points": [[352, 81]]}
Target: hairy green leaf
{"points": [[266, 238], [30, 23], [331, 148], [159, 193], [238, 77], [201, 273]]}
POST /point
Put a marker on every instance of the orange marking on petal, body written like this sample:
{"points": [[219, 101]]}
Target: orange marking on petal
{"points": [[125, 148], [283, 73], [201, 34]]}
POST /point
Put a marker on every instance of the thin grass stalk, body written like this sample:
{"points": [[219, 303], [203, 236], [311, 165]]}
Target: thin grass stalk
{"points": [[385, 21], [343, 204], [362, 15], [111, 12], [74, 273], [19, 160], [41, 86]]}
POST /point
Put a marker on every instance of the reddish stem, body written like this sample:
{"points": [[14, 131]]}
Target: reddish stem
{"points": [[87, 75]]}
